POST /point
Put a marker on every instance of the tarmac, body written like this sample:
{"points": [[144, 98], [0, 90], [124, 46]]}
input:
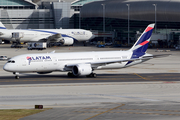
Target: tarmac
{"points": [[148, 91]]}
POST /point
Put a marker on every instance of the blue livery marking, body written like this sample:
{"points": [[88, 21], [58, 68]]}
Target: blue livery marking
{"points": [[2, 28], [63, 35]]}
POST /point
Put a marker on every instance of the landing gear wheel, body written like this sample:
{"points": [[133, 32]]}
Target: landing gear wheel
{"points": [[70, 74], [17, 77], [85, 44], [92, 75]]}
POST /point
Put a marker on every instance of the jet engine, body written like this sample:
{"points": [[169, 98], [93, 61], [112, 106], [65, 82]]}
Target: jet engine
{"points": [[67, 41], [82, 69]]}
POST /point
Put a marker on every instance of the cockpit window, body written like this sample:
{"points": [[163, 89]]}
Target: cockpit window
{"points": [[11, 61]]}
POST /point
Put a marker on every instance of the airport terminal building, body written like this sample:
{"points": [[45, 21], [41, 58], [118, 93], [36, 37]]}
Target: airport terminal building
{"points": [[25, 14], [139, 13], [120, 17]]}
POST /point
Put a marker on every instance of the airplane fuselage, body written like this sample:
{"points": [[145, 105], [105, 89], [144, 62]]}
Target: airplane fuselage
{"points": [[29, 35], [58, 61]]}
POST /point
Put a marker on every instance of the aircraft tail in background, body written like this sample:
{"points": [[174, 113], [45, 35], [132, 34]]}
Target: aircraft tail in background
{"points": [[2, 26]]}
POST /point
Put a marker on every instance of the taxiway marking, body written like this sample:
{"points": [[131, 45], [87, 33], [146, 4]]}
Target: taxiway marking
{"points": [[105, 111]]}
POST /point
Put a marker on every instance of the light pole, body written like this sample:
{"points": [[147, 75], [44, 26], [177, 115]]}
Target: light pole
{"points": [[155, 5], [103, 20], [166, 33], [80, 19], [128, 23]]}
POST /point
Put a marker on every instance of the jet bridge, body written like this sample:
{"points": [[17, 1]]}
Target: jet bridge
{"points": [[17, 36]]}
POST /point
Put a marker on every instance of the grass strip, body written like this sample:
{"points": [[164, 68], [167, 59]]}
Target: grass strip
{"points": [[15, 114]]}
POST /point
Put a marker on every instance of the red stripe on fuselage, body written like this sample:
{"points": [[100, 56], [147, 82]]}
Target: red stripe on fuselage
{"points": [[148, 29], [145, 42]]}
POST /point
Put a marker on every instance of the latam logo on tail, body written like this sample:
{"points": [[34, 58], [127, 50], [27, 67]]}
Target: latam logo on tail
{"points": [[37, 58], [142, 43], [147, 30]]}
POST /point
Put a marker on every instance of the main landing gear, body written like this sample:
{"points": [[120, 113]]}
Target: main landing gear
{"points": [[17, 75], [85, 43], [92, 75], [70, 74]]}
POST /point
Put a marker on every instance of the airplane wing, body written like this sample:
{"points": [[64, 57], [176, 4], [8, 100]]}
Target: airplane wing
{"points": [[54, 37], [95, 64], [109, 62], [64, 40]]}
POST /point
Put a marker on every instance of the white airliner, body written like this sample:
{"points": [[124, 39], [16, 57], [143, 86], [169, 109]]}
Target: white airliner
{"points": [[65, 36], [82, 63]]}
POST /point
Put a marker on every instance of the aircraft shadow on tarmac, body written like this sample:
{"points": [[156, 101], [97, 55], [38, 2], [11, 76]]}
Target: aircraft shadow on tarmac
{"points": [[51, 78]]}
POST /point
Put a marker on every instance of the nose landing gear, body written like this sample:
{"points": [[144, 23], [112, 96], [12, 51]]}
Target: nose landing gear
{"points": [[17, 75]]}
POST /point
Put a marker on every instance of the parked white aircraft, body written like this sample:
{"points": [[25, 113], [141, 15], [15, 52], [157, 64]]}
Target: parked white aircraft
{"points": [[65, 36], [82, 63]]}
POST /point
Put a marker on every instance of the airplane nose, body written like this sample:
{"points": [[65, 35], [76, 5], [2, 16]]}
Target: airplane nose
{"points": [[6, 68]]}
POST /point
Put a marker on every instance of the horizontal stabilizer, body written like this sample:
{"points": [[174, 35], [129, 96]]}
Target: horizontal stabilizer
{"points": [[162, 55]]}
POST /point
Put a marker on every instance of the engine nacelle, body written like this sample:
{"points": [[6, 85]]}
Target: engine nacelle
{"points": [[67, 41], [82, 69]]}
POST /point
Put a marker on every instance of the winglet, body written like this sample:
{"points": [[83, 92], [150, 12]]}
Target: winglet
{"points": [[53, 51], [141, 44]]}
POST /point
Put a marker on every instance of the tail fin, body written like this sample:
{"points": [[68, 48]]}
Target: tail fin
{"points": [[141, 44], [2, 26]]}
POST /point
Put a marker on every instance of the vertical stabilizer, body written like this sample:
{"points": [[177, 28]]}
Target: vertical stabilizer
{"points": [[2, 26], [142, 43]]}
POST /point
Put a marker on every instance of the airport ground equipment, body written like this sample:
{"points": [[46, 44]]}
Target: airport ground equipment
{"points": [[37, 45]]}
